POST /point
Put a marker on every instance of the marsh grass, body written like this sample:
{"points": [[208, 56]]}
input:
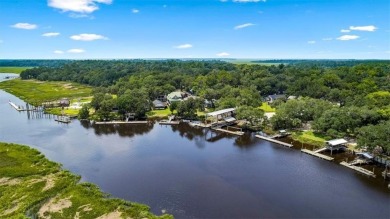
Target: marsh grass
{"points": [[15, 70], [24, 180], [37, 92]]}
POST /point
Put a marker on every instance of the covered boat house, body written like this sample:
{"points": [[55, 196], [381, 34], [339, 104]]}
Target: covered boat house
{"points": [[336, 144]]}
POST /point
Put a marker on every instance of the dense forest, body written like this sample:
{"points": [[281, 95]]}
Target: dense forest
{"points": [[334, 98]]}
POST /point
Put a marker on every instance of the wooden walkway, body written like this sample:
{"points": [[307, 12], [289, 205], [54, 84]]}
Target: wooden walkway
{"points": [[169, 122], [358, 169], [274, 141], [321, 150], [229, 132], [317, 154], [15, 106], [121, 122]]}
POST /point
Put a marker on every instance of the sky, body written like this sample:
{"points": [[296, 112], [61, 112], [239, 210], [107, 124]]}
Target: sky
{"points": [[257, 29]]}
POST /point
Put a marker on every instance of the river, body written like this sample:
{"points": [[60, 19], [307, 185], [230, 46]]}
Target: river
{"points": [[192, 173]]}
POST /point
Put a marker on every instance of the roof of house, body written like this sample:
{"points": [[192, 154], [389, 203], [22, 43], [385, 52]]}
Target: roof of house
{"points": [[219, 112], [335, 142], [277, 96], [158, 103], [177, 95]]}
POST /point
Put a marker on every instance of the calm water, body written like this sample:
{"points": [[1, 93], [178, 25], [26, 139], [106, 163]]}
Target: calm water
{"points": [[194, 174]]}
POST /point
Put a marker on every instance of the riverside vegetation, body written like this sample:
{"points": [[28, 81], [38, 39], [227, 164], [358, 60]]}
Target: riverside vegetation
{"points": [[345, 98], [32, 186]]}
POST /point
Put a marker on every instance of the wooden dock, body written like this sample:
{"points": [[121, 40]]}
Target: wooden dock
{"points": [[317, 154], [321, 150], [169, 122], [63, 119], [358, 169], [274, 141], [15, 106], [239, 133], [121, 122]]}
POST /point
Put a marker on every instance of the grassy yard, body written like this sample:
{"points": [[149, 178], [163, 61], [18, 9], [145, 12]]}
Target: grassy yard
{"points": [[37, 92], [166, 112], [309, 137], [267, 108], [16, 70], [31, 186]]}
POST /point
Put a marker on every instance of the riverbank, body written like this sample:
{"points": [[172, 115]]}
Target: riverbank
{"points": [[14, 70], [31, 186]]}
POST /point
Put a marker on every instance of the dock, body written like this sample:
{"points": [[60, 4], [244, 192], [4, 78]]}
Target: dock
{"points": [[321, 150], [63, 119], [274, 141], [169, 122], [317, 154], [15, 106], [121, 122], [358, 169], [239, 133]]}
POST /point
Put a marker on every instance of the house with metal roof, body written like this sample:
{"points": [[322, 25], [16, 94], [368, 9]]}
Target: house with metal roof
{"points": [[336, 144]]}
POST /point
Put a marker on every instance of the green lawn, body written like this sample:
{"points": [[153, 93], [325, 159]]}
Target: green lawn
{"points": [[31, 184], [37, 92], [166, 112], [16, 70], [309, 137], [267, 108]]}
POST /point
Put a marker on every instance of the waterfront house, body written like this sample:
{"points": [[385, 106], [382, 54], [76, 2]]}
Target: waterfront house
{"points": [[157, 104], [272, 98], [175, 96], [64, 102]]}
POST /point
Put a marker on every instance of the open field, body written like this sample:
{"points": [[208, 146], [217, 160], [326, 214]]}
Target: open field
{"points": [[16, 70], [37, 92], [31, 186]]}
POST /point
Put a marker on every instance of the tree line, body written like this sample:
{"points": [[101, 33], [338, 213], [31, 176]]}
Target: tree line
{"points": [[336, 98]]}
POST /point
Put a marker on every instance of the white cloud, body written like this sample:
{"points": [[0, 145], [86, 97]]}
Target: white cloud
{"points": [[348, 37], [25, 26], [345, 31], [245, 1], [76, 51], [88, 37], [134, 11], [58, 52], [222, 54], [183, 46], [327, 39], [369, 28], [79, 6], [311, 42], [51, 34], [243, 26]]}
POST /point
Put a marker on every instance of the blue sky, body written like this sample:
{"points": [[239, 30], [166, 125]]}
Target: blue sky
{"points": [[263, 29]]}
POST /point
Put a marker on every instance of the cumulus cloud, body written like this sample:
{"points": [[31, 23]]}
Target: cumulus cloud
{"points": [[369, 28], [76, 51], [25, 26], [311, 42], [134, 11], [79, 6], [243, 26], [88, 37], [222, 54], [348, 37], [345, 31], [183, 46], [51, 34], [58, 52]]}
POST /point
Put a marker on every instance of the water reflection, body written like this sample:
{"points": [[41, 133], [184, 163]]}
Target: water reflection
{"points": [[123, 130]]}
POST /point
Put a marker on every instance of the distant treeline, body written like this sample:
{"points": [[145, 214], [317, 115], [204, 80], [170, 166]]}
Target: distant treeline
{"points": [[323, 62], [33, 62]]}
